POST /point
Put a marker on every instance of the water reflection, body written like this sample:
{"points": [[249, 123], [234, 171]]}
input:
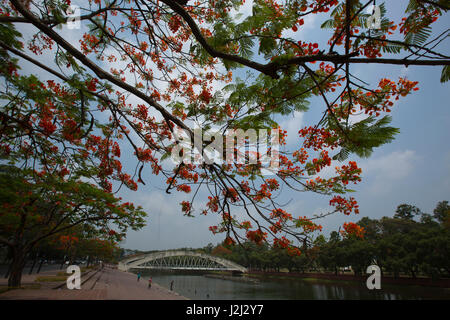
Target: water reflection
{"points": [[196, 286]]}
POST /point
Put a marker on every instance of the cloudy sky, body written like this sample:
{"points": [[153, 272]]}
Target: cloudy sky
{"points": [[414, 169]]}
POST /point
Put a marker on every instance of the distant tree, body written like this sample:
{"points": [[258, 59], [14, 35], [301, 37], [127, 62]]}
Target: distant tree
{"points": [[320, 240], [357, 253], [407, 212], [331, 253], [371, 227], [391, 226], [209, 248], [220, 251], [442, 212], [427, 218]]}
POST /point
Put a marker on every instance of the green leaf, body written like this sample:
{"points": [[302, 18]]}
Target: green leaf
{"points": [[364, 136], [445, 76]]}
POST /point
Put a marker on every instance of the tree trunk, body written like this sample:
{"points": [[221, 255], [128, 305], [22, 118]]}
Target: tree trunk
{"points": [[8, 271], [34, 263], [17, 264], [40, 264], [62, 263]]}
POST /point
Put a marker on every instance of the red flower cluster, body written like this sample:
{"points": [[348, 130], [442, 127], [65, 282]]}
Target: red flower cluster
{"points": [[280, 214], [322, 162], [91, 84], [349, 173], [344, 205], [174, 23], [186, 207], [246, 225], [184, 188], [263, 193], [281, 242], [213, 203], [307, 225], [256, 236], [317, 138], [231, 194], [352, 229]]}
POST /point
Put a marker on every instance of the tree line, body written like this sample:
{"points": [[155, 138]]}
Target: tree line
{"points": [[411, 243]]}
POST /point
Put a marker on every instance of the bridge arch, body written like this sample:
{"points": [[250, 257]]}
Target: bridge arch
{"points": [[179, 260]]}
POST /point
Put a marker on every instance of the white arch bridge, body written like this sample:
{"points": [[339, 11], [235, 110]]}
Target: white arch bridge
{"points": [[179, 260]]}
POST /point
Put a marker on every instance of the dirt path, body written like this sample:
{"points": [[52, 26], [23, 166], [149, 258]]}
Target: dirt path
{"points": [[108, 284]]}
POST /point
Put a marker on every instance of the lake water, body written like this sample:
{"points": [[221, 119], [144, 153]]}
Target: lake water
{"points": [[197, 286]]}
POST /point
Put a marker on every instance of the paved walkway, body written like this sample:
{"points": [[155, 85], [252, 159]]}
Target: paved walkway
{"points": [[107, 284]]}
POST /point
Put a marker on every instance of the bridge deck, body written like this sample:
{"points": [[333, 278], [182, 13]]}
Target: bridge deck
{"points": [[180, 260]]}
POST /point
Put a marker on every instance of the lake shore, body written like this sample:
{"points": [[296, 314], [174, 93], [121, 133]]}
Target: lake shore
{"points": [[339, 278]]}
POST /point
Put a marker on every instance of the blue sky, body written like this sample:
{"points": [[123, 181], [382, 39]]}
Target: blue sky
{"points": [[414, 169]]}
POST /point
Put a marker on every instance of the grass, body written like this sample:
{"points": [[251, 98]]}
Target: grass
{"points": [[32, 286], [331, 281], [60, 276], [57, 278]]}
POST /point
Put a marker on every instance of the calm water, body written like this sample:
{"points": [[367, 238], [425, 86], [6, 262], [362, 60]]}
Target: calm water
{"points": [[196, 286]]}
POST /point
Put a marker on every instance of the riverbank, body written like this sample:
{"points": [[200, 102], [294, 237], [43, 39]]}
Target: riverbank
{"points": [[107, 284], [340, 278], [231, 277]]}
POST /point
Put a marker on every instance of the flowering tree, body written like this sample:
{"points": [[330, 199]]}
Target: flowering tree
{"points": [[147, 68], [38, 206]]}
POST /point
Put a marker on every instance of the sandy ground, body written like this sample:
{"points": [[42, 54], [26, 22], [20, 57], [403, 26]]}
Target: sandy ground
{"points": [[107, 284]]}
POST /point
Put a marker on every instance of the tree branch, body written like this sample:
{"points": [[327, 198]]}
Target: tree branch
{"points": [[102, 74], [9, 19], [271, 68]]}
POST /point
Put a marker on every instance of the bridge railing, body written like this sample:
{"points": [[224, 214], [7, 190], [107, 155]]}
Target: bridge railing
{"points": [[141, 261]]}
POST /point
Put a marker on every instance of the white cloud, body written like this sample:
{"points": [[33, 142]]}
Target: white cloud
{"points": [[167, 227], [389, 170], [292, 126], [245, 10]]}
